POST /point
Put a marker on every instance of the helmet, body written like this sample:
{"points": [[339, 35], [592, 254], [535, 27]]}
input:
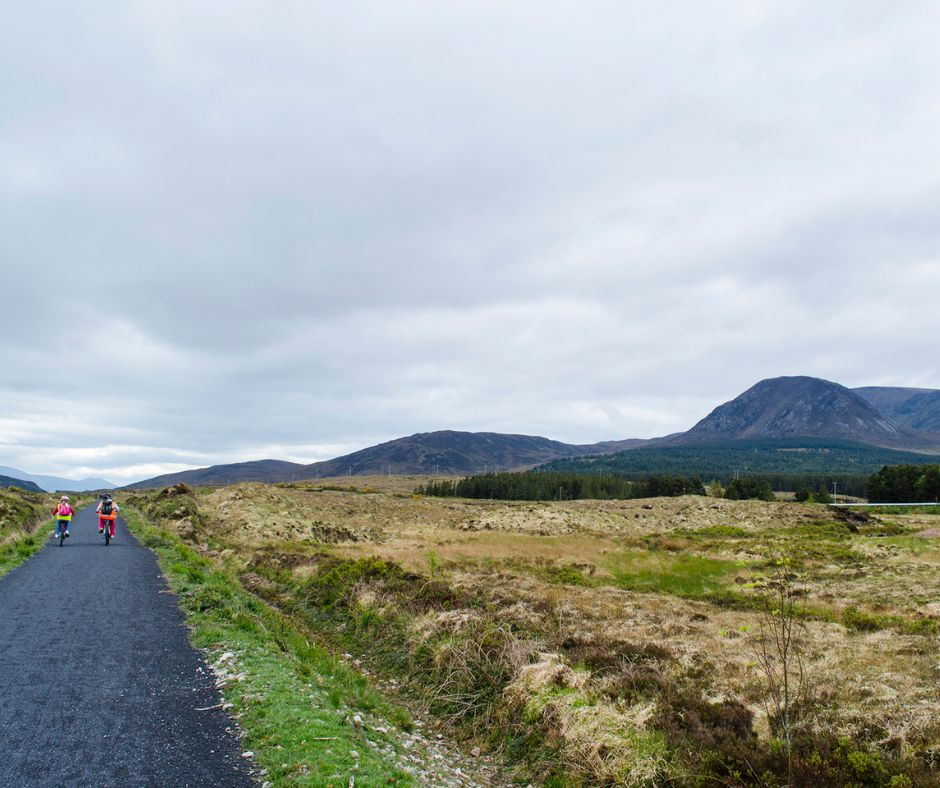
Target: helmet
{"points": [[64, 498], [107, 496]]}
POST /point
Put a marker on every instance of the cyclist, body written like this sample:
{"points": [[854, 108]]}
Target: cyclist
{"points": [[63, 514], [107, 512]]}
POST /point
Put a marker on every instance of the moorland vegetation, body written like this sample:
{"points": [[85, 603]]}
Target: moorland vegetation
{"points": [[613, 642]]}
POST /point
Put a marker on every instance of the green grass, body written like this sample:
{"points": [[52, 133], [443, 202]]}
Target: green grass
{"points": [[296, 699], [17, 550], [679, 574]]}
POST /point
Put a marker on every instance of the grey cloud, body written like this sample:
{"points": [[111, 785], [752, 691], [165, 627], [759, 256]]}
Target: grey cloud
{"points": [[312, 225]]}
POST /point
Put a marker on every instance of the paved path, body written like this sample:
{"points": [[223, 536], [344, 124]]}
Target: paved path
{"points": [[98, 683]]}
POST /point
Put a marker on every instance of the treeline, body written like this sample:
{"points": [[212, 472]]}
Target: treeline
{"points": [[817, 486], [905, 484], [786, 464], [561, 486]]}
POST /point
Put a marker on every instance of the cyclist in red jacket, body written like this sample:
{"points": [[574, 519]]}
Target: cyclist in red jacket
{"points": [[63, 514]]}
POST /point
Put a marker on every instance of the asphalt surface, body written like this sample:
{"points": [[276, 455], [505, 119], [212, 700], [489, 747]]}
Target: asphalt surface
{"points": [[98, 683]]}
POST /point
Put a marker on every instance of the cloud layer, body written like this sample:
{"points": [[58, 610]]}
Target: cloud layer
{"points": [[234, 230]]}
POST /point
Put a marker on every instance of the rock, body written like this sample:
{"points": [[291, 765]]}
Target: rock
{"points": [[248, 754], [475, 752], [354, 755]]}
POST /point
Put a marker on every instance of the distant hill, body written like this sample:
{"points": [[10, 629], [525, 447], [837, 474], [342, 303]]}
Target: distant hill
{"points": [[9, 481], [451, 452], [796, 407], [918, 409], [445, 452], [233, 473], [53, 483]]}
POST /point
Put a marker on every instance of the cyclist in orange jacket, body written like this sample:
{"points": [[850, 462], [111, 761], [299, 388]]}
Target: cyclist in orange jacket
{"points": [[63, 514], [107, 512]]}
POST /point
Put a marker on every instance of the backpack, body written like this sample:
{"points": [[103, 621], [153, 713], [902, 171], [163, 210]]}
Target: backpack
{"points": [[106, 507]]}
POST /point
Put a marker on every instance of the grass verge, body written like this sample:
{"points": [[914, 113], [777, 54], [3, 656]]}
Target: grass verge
{"points": [[295, 701], [24, 518], [16, 549]]}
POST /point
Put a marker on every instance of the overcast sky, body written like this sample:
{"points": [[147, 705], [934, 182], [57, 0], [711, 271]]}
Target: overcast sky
{"points": [[232, 230]]}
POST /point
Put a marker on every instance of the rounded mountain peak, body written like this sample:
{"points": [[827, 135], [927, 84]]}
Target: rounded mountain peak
{"points": [[797, 406]]}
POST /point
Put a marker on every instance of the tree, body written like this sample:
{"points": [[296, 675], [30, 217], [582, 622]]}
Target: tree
{"points": [[777, 646], [927, 486], [904, 483], [749, 487]]}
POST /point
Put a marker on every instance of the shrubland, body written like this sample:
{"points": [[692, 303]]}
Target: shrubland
{"points": [[608, 642]]}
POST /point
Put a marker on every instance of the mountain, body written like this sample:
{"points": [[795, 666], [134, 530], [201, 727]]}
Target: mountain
{"points": [[233, 473], [790, 426], [9, 481], [451, 452], [446, 452], [918, 409], [53, 483], [803, 407]]}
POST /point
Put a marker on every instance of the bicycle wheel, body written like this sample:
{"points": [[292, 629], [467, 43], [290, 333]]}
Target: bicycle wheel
{"points": [[107, 534], [61, 537]]}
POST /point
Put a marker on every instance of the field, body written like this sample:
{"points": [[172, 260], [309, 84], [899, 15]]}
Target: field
{"points": [[609, 642]]}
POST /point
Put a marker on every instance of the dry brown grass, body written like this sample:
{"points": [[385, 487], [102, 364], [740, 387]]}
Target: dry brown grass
{"points": [[877, 686]]}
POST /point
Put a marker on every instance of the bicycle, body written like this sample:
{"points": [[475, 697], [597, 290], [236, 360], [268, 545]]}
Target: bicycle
{"points": [[108, 520], [61, 531]]}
